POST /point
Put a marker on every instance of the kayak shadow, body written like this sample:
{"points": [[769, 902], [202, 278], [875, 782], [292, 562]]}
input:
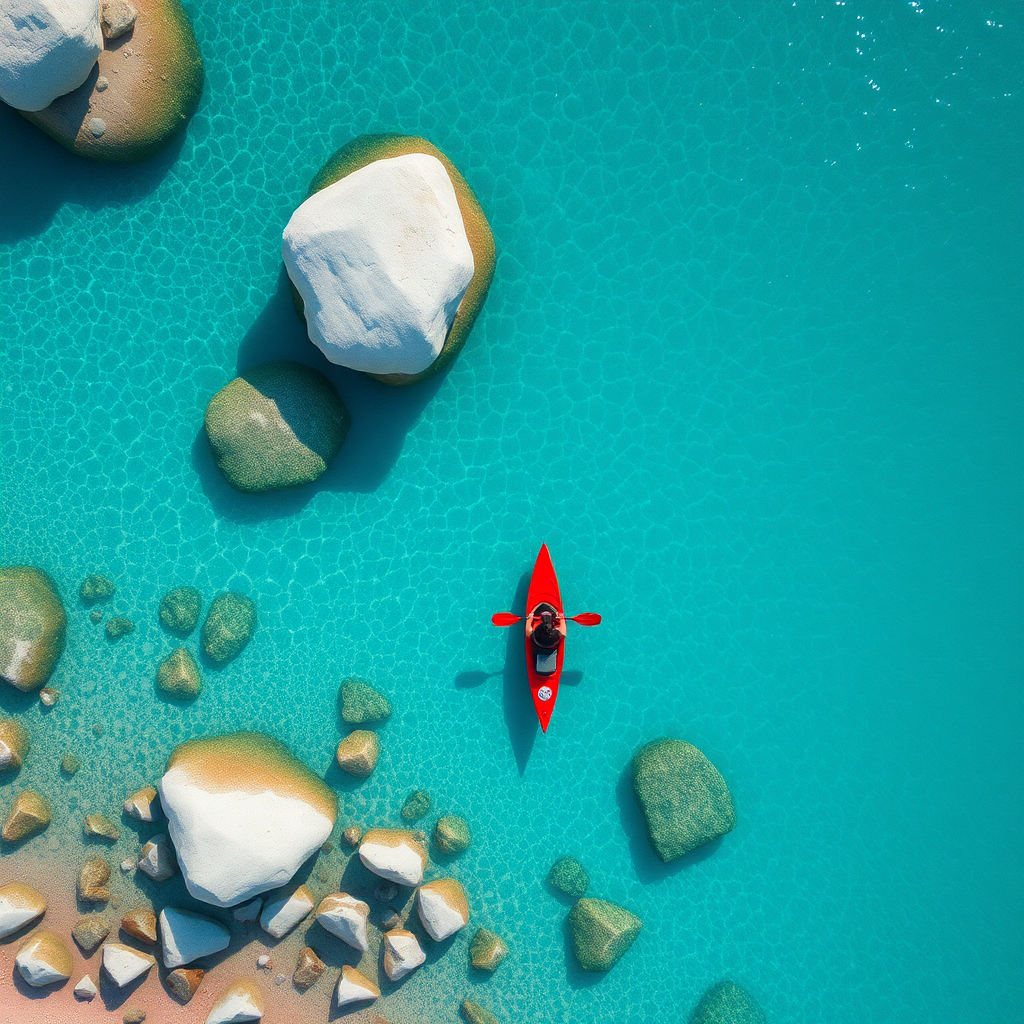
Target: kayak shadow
{"points": [[520, 716]]}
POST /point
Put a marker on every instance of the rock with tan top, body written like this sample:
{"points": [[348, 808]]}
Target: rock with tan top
{"points": [[241, 1001], [157, 859], [355, 987], [124, 964], [186, 936], [358, 752], [309, 968], [402, 953], [394, 854], [92, 881], [99, 826], [345, 916], [443, 908], [86, 990], [89, 931], [20, 905], [184, 982], [244, 814], [44, 959], [14, 744], [140, 924], [29, 815], [281, 915], [144, 804], [32, 619], [116, 18]]}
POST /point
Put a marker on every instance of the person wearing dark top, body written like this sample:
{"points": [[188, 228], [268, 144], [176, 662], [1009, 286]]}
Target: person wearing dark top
{"points": [[546, 627]]}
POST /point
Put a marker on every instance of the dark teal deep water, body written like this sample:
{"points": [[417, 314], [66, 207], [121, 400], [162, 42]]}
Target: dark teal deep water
{"points": [[758, 317]]}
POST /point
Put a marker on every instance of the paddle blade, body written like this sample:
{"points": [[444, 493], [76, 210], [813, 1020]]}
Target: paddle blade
{"points": [[587, 619], [505, 618]]}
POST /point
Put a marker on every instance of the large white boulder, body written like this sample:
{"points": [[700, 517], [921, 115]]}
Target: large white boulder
{"points": [[345, 916], [243, 814], [47, 48], [186, 936], [281, 915], [402, 953], [442, 907], [395, 854], [125, 964], [381, 260], [239, 1002], [19, 904], [44, 959], [355, 987]]}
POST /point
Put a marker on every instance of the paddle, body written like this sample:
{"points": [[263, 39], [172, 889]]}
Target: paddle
{"points": [[583, 619]]}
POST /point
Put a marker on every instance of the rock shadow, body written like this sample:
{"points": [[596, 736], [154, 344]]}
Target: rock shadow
{"points": [[473, 678], [520, 716], [38, 176], [648, 865]]}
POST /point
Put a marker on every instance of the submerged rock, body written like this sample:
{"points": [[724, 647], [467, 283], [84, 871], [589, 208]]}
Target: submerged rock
{"points": [[29, 815], [355, 987], [487, 950], [442, 907], [124, 964], [179, 675], [402, 953], [92, 881], [33, 625], [140, 924], [361, 704], [727, 1003], [101, 827], [14, 744], [96, 589], [229, 626], [391, 257], [601, 933], [49, 696], [44, 959], [157, 858], [20, 905], [569, 876], [308, 969], [180, 608], [184, 982], [452, 835], [352, 835], [89, 931], [474, 1013], [144, 804], [276, 426], [186, 936], [281, 915], [394, 854], [417, 804], [70, 764], [684, 799], [241, 1001], [244, 814], [119, 627], [358, 752], [345, 916]]}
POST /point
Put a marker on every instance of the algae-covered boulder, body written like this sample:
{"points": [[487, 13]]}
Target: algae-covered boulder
{"points": [[684, 799], [118, 627], [487, 950], [99, 826], [14, 743], [89, 931], [390, 257], [309, 968], [358, 752], [179, 675], [95, 589], [29, 815], [244, 814], [32, 626], [601, 933], [416, 805], [452, 835], [138, 95], [727, 1003], [474, 1013], [179, 609], [92, 881], [275, 426], [229, 626], [184, 982], [569, 876], [361, 704]]}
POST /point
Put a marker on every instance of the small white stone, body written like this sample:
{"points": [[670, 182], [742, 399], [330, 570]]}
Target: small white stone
{"points": [[402, 953], [157, 859], [345, 916], [186, 936], [101, 83], [280, 916], [127, 866], [97, 126], [125, 964], [263, 961], [86, 990]]}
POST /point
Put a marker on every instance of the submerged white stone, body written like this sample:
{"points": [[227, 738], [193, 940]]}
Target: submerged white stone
{"points": [[354, 987], [233, 846], [280, 916], [381, 259], [345, 916], [47, 49], [125, 964], [402, 953], [186, 936], [19, 904]]}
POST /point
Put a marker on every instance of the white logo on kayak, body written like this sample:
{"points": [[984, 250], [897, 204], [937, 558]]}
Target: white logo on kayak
{"points": [[544, 693]]}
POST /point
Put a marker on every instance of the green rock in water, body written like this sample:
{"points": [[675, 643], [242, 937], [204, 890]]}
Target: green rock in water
{"points": [[32, 626], [601, 933], [684, 799], [452, 835], [275, 426], [229, 626], [568, 875], [101, 827], [179, 675], [417, 804], [487, 950], [361, 704], [179, 609], [96, 588], [474, 1013], [119, 627], [69, 763], [727, 1003]]}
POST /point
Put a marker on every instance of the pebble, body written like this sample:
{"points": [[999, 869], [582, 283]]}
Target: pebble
{"points": [[385, 892], [352, 835], [101, 83], [391, 921], [127, 866], [97, 126], [49, 696], [280, 979], [98, 730], [265, 962]]}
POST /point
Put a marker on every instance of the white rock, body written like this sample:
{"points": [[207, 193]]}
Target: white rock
{"points": [[144, 805], [381, 260], [393, 854], [354, 987], [238, 1003], [86, 990], [249, 911], [442, 908], [402, 953], [186, 936], [280, 916], [47, 48], [19, 904], [345, 916], [125, 964], [263, 961], [243, 814], [44, 959], [157, 859]]}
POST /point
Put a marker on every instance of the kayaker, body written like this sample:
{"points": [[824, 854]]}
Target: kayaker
{"points": [[546, 627]]}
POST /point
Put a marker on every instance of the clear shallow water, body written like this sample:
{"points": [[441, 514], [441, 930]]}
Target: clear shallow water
{"points": [[757, 313]]}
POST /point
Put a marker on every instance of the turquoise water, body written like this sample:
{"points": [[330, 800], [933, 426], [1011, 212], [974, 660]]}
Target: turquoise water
{"points": [[751, 365]]}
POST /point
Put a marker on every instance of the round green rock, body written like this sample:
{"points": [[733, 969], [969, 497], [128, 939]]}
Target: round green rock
{"points": [[96, 588], [452, 835], [179, 609], [119, 627], [727, 1003], [601, 933], [568, 875], [179, 675], [229, 626], [474, 1013], [417, 804], [361, 704], [487, 950]]}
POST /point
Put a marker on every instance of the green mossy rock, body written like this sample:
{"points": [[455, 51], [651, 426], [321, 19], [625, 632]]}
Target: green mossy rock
{"points": [[96, 588], [417, 804], [275, 426], [119, 627], [684, 799], [70, 764], [179, 675], [487, 950], [361, 704], [568, 875], [601, 933], [229, 626], [727, 1003], [101, 827], [30, 814], [179, 610], [474, 1013], [33, 625], [452, 835]]}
